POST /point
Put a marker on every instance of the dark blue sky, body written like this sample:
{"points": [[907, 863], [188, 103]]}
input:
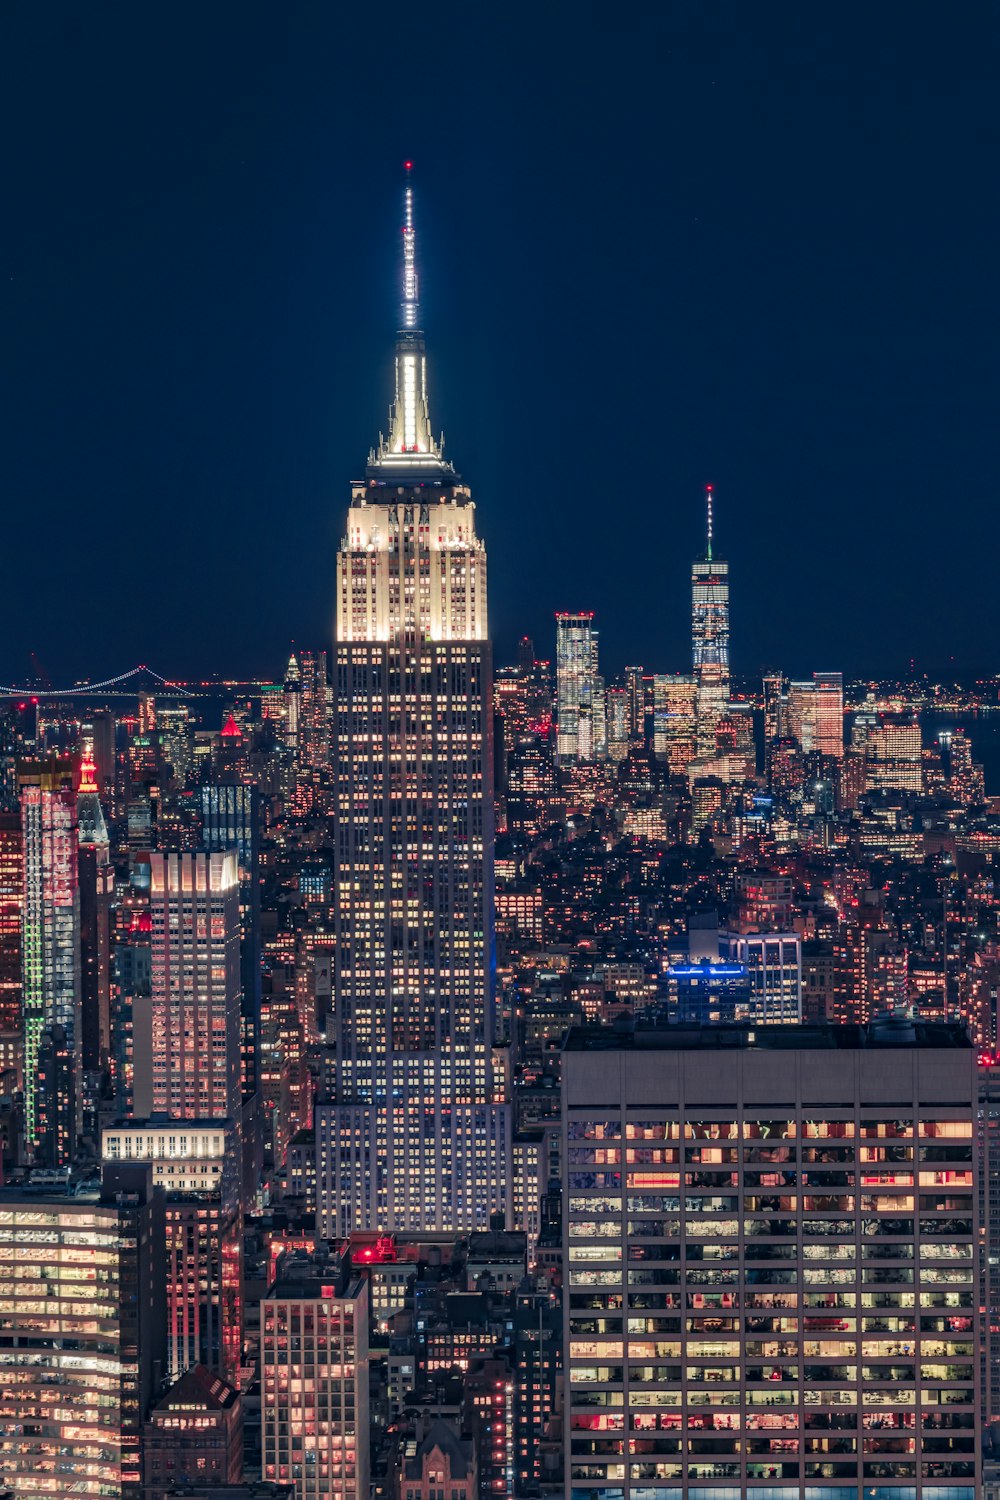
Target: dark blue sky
{"points": [[661, 244]]}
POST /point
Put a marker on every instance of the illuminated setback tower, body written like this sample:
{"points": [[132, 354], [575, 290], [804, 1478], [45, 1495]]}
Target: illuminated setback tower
{"points": [[414, 1139], [710, 638]]}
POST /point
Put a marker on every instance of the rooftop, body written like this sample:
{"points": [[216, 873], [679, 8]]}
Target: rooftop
{"points": [[892, 1031], [198, 1388]]}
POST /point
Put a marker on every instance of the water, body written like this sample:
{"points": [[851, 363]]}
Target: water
{"points": [[983, 728]]}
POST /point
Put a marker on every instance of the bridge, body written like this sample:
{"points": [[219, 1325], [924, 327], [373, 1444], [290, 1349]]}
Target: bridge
{"points": [[128, 685]]}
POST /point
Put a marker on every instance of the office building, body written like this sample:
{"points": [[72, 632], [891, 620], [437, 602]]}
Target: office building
{"points": [[770, 1242], [580, 710], [50, 919], [988, 1180], [829, 713], [314, 1381], [81, 1314], [813, 714], [196, 1163], [194, 906], [710, 639], [893, 753], [773, 962], [416, 1137], [708, 992]]}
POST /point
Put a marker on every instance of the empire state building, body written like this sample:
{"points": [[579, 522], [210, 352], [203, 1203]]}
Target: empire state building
{"points": [[417, 1136]]}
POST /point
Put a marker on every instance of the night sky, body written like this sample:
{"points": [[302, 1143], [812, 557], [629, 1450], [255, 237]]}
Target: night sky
{"points": [[751, 244]]}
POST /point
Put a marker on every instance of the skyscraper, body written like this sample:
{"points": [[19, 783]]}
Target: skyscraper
{"points": [[314, 1390], [194, 905], [814, 713], [829, 713], [50, 917], [11, 900], [582, 735], [415, 1138], [96, 892], [675, 701], [196, 1163], [771, 1260], [710, 638], [81, 1302]]}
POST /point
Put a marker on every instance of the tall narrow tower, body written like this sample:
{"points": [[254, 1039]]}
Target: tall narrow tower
{"points": [[417, 1138], [579, 690], [50, 919], [710, 636]]}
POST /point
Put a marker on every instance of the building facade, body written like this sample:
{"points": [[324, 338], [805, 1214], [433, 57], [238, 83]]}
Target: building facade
{"points": [[11, 901], [81, 1336], [50, 917], [580, 709], [416, 1137], [314, 1382], [193, 1435], [710, 641], [770, 1241], [194, 906], [196, 1163]]}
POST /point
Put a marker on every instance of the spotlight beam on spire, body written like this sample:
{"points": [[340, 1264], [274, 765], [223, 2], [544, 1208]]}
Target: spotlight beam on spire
{"points": [[410, 307]]}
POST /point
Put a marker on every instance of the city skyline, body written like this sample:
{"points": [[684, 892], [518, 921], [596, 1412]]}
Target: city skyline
{"points": [[780, 277], [540, 1053]]}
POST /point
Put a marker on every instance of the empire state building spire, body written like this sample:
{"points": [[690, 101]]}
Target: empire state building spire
{"points": [[411, 449]]}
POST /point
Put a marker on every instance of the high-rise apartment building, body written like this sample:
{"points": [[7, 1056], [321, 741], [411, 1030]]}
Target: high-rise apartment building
{"points": [[580, 709], [11, 901], [710, 639], [314, 1381], [194, 906], [81, 1313], [417, 1137], [770, 1248], [50, 916]]}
